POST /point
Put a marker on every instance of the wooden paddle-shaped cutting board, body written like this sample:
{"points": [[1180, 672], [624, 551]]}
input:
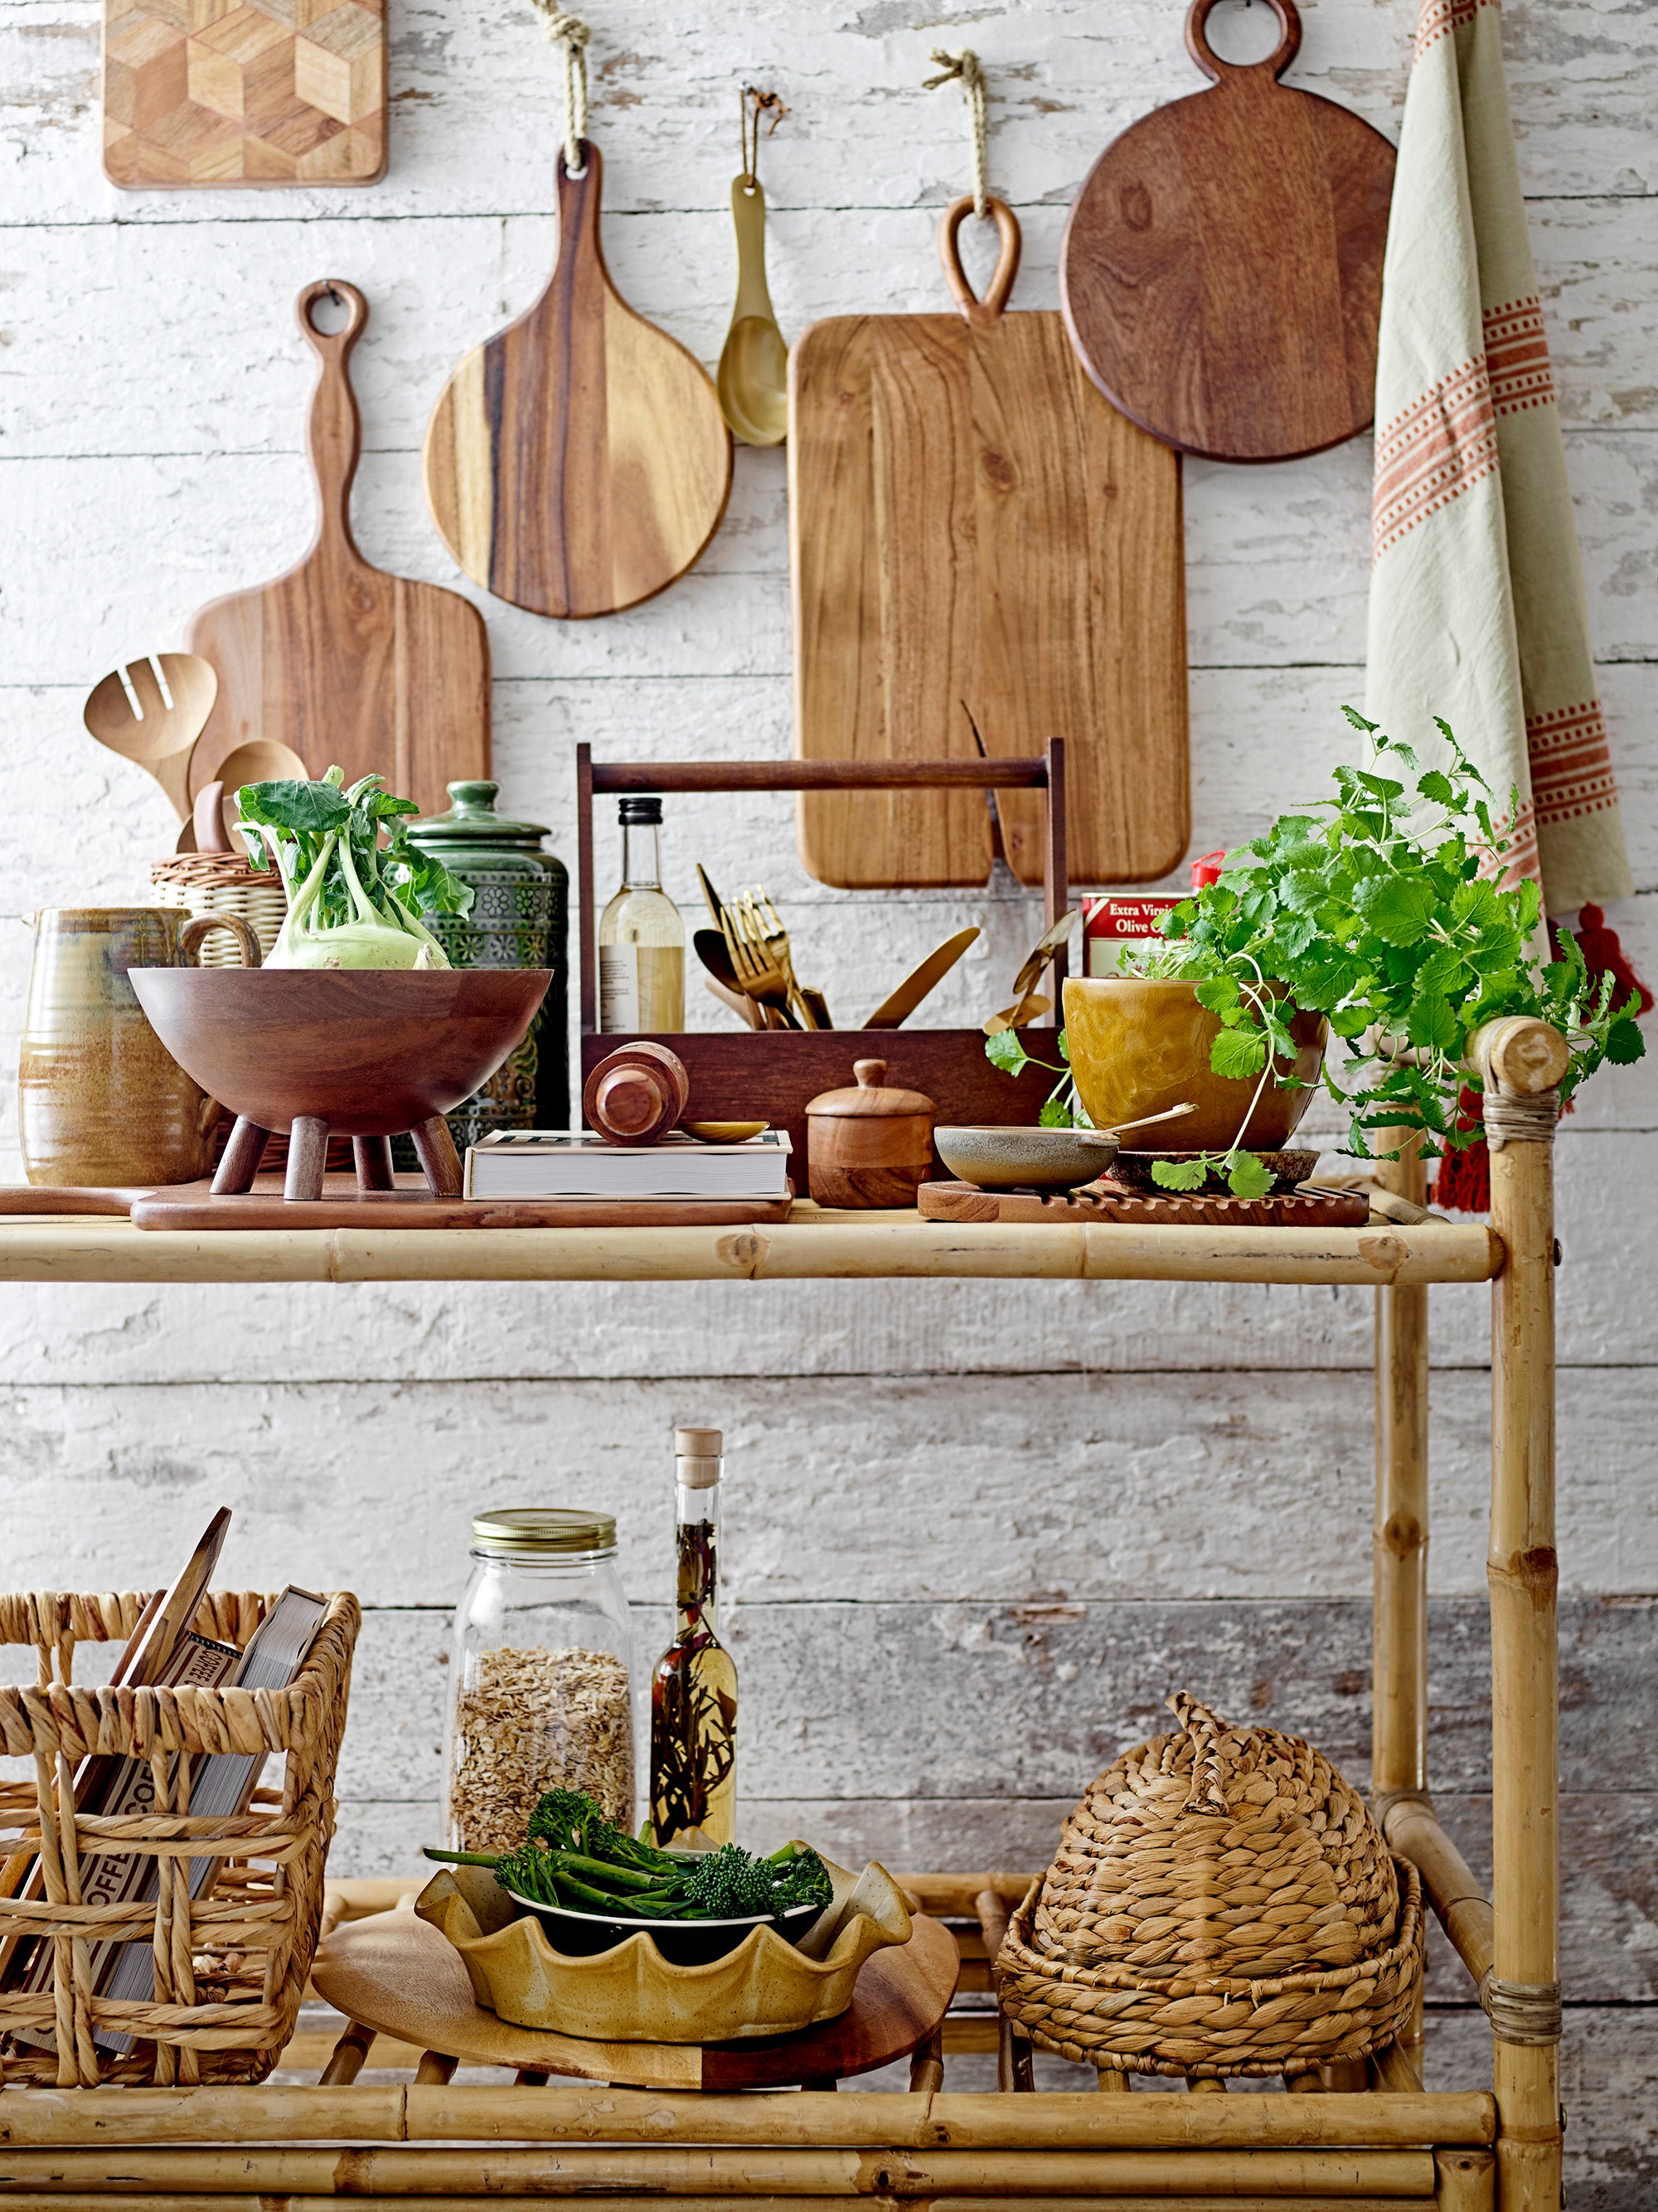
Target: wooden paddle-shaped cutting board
{"points": [[338, 659], [1221, 272], [578, 463], [984, 553]]}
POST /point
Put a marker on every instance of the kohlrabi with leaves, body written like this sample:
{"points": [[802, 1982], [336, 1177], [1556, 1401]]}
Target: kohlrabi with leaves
{"points": [[352, 900]]}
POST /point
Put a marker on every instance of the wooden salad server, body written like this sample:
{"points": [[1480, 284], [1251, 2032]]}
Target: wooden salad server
{"points": [[338, 660], [167, 722], [578, 462]]}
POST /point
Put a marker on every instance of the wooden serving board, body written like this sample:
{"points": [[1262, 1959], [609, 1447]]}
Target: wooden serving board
{"points": [[338, 659], [981, 544], [1102, 1202], [578, 462], [1221, 270], [193, 1205], [244, 92]]}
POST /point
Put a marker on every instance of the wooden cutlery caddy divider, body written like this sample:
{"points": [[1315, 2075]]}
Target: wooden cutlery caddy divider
{"points": [[773, 1072]]}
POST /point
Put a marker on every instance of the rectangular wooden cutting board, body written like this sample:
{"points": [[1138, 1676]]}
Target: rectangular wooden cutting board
{"points": [[213, 93], [980, 542]]}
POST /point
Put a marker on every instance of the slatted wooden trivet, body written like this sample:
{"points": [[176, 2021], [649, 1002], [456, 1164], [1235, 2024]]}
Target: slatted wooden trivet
{"points": [[1107, 1201]]}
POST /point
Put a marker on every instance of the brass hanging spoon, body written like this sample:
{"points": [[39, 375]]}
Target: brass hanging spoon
{"points": [[753, 377]]}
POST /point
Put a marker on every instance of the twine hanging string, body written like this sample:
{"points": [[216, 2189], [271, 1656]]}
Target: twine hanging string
{"points": [[964, 67], [768, 103], [572, 33]]}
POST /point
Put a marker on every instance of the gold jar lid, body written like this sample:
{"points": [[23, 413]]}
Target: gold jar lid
{"points": [[542, 1531]]}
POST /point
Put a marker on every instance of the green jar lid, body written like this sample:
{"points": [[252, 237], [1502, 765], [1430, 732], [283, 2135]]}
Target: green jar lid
{"points": [[542, 1531], [472, 820]]}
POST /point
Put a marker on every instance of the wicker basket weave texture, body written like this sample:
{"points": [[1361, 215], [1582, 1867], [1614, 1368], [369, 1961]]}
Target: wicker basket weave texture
{"points": [[1221, 1902], [223, 883], [231, 1967]]}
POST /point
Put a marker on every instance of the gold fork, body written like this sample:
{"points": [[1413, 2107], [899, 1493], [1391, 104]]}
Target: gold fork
{"points": [[759, 976], [809, 1004]]}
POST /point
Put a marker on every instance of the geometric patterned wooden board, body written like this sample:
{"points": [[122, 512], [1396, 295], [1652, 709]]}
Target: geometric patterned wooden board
{"points": [[244, 92]]}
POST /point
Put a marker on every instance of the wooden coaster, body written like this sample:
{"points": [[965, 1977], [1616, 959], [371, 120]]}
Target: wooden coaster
{"points": [[1107, 1201], [192, 1206], [396, 1974]]}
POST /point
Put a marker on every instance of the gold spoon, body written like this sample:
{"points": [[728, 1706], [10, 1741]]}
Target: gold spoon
{"points": [[753, 381]]}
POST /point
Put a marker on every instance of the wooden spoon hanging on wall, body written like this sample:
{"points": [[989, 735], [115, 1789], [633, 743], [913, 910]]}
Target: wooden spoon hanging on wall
{"points": [[578, 462]]}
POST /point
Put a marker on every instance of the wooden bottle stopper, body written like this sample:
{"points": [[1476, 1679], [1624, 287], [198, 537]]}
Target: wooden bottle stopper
{"points": [[636, 1094]]}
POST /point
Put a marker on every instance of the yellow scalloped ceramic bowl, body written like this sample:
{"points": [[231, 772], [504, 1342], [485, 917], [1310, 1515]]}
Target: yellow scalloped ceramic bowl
{"points": [[767, 1986]]}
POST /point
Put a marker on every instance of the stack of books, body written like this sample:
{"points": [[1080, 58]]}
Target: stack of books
{"points": [[536, 1164]]}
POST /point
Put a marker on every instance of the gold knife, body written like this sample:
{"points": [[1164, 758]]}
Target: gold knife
{"points": [[916, 985]]}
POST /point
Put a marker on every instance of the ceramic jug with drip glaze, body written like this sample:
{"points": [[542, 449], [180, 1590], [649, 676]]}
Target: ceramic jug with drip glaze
{"points": [[99, 1100]]}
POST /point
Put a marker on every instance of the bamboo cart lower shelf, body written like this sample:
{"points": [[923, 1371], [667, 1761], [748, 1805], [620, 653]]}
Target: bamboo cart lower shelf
{"points": [[1374, 2142]]}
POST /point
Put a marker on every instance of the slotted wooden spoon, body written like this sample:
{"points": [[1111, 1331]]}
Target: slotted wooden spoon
{"points": [[175, 692]]}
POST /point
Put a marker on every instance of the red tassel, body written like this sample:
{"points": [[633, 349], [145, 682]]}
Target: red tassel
{"points": [[1604, 956], [1464, 1181]]}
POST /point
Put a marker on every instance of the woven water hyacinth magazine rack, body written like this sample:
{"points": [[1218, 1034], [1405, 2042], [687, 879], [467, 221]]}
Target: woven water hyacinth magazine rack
{"points": [[231, 1964]]}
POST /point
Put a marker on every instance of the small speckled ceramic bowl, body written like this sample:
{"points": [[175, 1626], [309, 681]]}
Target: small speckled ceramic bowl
{"points": [[1025, 1159]]}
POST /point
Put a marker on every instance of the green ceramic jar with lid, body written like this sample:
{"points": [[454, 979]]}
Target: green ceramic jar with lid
{"points": [[520, 901]]}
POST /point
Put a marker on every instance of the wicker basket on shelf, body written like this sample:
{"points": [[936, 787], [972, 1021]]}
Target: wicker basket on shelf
{"points": [[230, 1965], [223, 883], [1221, 1903]]}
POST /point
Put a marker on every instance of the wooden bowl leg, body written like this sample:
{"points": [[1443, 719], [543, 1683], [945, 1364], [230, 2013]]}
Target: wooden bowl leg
{"points": [[241, 1158], [374, 1157], [308, 1157], [435, 1149]]}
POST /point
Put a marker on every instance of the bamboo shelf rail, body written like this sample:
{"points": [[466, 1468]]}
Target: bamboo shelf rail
{"points": [[1365, 2136]]}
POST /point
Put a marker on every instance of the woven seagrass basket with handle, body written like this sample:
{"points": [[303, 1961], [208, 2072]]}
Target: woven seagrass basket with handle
{"points": [[229, 1966], [1221, 1903]]}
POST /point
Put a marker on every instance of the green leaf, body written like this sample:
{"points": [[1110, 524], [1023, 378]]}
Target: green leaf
{"points": [[1238, 1053], [1004, 1051], [1625, 1043], [315, 808], [1246, 1176], [1220, 994], [1055, 1116], [1432, 1024], [1397, 908], [1438, 787], [1180, 1175]]}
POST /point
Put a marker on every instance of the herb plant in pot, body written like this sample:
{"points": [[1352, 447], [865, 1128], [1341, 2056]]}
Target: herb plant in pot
{"points": [[1381, 913]]}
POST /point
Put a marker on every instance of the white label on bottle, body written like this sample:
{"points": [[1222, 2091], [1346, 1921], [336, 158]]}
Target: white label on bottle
{"points": [[618, 988]]}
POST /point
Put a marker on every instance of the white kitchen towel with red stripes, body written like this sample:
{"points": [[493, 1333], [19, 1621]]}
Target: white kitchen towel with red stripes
{"points": [[1477, 607]]}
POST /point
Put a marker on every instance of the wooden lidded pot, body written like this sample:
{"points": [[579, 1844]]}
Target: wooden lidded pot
{"points": [[869, 1146]]}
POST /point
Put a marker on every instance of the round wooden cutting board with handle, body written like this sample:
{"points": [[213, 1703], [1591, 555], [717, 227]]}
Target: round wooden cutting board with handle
{"points": [[337, 660], [578, 462], [1221, 270]]}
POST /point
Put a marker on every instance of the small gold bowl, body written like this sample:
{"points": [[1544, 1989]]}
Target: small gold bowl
{"points": [[724, 1132]]}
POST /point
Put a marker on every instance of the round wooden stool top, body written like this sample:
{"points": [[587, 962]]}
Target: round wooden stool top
{"points": [[395, 1974]]}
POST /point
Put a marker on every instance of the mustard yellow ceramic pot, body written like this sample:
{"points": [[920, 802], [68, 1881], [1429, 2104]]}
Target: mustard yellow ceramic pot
{"points": [[99, 1100], [1139, 1047]]}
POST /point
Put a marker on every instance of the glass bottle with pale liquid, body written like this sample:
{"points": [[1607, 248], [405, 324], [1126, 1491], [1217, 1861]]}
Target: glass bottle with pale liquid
{"points": [[693, 1688], [641, 937]]}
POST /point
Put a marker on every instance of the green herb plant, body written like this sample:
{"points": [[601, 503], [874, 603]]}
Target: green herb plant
{"points": [[352, 900], [578, 1859], [1379, 908]]}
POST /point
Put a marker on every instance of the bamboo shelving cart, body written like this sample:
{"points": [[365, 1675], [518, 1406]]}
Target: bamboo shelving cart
{"points": [[1379, 2142]]}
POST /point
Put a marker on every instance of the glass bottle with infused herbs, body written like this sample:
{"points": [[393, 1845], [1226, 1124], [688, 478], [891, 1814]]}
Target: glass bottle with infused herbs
{"points": [[641, 937], [694, 1690]]}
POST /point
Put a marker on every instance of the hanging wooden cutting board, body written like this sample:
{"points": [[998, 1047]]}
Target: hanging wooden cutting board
{"points": [[980, 545], [1221, 272], [338, 659], [578, 463]]}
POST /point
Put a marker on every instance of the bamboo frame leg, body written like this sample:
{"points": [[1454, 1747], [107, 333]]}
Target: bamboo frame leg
{"points": [[1466, 2180], [1399, 1747], [435, 1149], [242, 1155], [1522, 1062]]}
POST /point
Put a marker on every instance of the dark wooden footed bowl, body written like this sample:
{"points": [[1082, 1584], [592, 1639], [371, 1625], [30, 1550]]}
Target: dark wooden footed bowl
{"points": [[371, 1052]]}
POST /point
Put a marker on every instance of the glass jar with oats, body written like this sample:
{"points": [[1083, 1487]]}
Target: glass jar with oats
{"points": [[541, 1676]]}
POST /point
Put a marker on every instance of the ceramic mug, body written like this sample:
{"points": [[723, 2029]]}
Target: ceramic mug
{"points": [[99, 1100]]}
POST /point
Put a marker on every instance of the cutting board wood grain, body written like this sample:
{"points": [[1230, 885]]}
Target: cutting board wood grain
{"points": [[985, 555], [578, 462], [1221, 270], [244, 92], [338, 659]]}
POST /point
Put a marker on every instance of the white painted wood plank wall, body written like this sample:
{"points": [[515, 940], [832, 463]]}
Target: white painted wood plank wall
{"points": [[973, 1449]]}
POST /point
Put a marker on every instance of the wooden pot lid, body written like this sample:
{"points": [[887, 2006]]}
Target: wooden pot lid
{"points": [[870, 1098], [1221, 269]]}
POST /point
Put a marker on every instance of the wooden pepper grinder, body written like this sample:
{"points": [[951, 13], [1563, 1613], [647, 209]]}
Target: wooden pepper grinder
{"points": [[869, 1146], [636, 1094]]}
